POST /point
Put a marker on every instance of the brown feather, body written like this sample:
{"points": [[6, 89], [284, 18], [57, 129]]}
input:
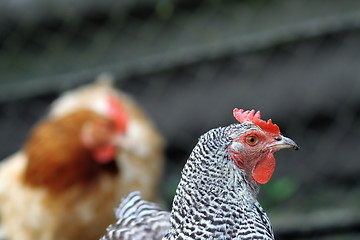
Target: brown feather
{"points": [[57, 158]]}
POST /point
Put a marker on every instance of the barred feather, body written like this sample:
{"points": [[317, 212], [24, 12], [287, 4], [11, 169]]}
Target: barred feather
{"points": [[138, 219], [133, 205]]}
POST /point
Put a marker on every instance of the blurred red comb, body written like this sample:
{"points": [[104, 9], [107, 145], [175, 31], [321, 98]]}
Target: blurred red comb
{"points": [[117, 113], [255, 118]]}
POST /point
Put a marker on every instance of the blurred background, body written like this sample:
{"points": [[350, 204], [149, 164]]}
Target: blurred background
{"points": [[189, 63]]}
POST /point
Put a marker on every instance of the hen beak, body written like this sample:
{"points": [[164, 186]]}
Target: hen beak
{"points": [[282, 142]]}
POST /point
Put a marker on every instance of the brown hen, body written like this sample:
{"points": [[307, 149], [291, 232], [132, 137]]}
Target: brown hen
{"points": [[95, 146]]}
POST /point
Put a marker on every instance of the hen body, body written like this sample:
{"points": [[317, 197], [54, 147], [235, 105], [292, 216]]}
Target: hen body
{"points": [[56, 188], [216, 196]]}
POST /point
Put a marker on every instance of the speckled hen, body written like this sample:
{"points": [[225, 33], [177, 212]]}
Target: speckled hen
{"points": [[216, 196]]}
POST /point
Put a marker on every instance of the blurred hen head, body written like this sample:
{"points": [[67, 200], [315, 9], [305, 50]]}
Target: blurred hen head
{"points": [[253, 148], [101, 135]]}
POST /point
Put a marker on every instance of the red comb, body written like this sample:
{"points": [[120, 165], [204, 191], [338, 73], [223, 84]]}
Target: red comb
{"points": [[255, 118], [117, 113]]}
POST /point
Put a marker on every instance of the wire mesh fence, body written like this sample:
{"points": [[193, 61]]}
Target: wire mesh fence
{"points": [[189, 63]]}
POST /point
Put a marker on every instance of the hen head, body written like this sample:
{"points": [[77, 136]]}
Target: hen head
{"points": [[101, 136], [253, 149]]}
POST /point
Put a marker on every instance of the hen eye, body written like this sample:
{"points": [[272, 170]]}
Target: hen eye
{"points": [[252, 140]]}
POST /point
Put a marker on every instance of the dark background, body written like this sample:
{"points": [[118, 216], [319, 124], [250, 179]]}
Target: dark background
{"points": [[189, 63]]}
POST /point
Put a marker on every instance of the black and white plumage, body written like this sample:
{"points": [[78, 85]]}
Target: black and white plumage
{"points": [[213, 198], [216, 196], [138, 219]]}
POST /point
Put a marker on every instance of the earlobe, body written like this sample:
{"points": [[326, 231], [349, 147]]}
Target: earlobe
{"points": [[236, 146], [235, 150]]}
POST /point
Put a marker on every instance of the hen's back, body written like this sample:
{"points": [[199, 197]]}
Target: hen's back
{"points": [[138, 219]]}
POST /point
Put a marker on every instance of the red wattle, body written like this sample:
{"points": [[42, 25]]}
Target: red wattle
{"points": [[264, 169], [104, 154]]}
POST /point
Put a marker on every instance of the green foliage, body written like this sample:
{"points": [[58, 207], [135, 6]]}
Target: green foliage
{"points": [[164, 9], [277, 191], [169, 188]]}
